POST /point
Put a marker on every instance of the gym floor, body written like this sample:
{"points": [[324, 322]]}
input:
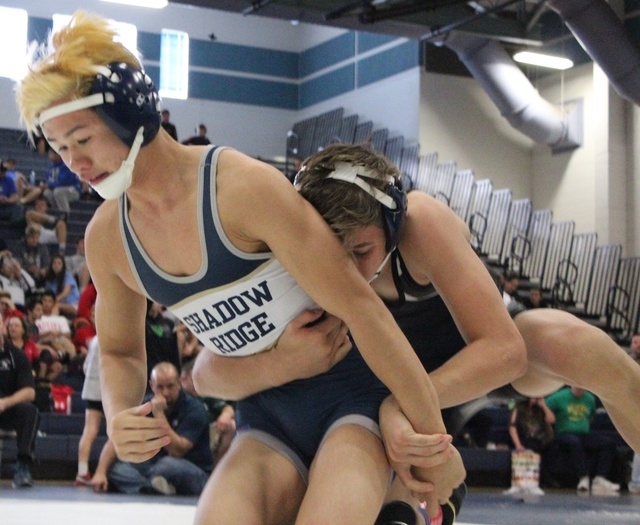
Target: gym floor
{"points": [[49, 503]]}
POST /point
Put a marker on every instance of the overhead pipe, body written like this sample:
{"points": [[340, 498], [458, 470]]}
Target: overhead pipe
{"points": [[514, 95], [606, 40]]}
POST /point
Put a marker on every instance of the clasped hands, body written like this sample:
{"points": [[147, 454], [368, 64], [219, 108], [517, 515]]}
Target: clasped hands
{"points": [[428, 465]]}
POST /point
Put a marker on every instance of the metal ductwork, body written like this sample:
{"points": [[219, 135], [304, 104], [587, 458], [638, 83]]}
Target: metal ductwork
{"points": [[513, 94], [606, 40]]}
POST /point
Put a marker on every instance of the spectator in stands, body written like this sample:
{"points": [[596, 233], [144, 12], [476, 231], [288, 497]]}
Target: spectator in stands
{"points": [[571, 412], [9, 164], [33, 256], [535, 299], [34, 311], [77, 264], [41, 145], [200, 139], [510, 284], [49, 364], [61, 186], [10, 208], [184, 463], [221, 413], [15, 280], [188, 344], [530, 434], [54, 329], [17, 411], [167, 125], [45, 362], [17, 336], [56, 232], [26, 191], [16, 176], [84, 324], [64, 285], [161, 341], [9, 308], [529, 425], [93, 413], [634, 348]]}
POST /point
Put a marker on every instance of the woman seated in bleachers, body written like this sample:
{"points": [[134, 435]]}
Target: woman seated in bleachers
{"points": [[64, 285]]}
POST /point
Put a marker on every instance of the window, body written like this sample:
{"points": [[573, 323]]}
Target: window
{"points": [[174, 64], [127, 33], [13, 42]]}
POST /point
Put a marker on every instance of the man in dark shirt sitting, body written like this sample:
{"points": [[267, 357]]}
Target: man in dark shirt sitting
{"points": [[184, 463]]}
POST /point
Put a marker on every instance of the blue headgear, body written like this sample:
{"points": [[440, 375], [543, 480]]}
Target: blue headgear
{"points": [[393, 199], [125, 98], [130, 88], [127, 101]]}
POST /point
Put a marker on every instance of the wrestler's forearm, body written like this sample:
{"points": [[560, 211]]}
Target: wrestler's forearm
{"points": [[233, 377], [122, 382], [391, 358]]}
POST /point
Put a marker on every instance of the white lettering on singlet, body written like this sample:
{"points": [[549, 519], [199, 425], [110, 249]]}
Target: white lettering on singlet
{"points": [[247, 316]]}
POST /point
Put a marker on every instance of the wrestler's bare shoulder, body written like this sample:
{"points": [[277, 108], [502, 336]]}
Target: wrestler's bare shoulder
{"points": [[428, 214], [103, 231]]}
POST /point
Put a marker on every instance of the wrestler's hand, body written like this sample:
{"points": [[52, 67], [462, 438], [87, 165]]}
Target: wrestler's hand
{"points": [[407, 449], [311, 345], [445, 478], [135, 437]]}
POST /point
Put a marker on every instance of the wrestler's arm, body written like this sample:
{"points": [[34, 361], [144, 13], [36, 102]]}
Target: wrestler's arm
{"points": [[436, 242], [306, 348], [273, 213], [120, 314], [435, 246]]}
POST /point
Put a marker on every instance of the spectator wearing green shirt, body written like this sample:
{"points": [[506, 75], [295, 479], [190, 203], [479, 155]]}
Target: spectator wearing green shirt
{"points": [[573, 410]]}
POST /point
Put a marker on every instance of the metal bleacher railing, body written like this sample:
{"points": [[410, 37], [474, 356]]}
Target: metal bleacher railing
{"points": [[591, 281], [14, 144]]}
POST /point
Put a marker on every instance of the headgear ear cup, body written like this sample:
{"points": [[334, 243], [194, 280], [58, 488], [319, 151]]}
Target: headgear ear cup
{"points": [[393, 199], [124, 88], [394, 218]]}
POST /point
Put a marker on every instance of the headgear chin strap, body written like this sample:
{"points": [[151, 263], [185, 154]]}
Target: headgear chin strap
{"points": [[382, 265], [119, 181], [393, 200]]}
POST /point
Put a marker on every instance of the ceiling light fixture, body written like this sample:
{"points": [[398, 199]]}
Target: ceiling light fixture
{"points": [[538, 59], [154, 4]]}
